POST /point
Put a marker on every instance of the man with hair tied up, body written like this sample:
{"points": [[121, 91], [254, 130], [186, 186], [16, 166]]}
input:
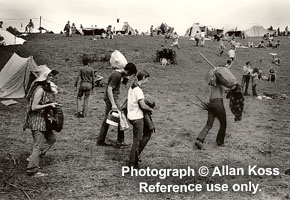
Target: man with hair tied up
{"points": [[111, 99]]}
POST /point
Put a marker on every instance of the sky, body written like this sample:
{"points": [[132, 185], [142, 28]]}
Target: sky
{"points": [[141, 14]]}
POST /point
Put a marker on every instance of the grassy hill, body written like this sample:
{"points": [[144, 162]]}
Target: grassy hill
{"points": [[78, 169]]}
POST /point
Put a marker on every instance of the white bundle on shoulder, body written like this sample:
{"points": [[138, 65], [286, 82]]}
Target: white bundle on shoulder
{"points": [[118, 60], [54, 88]]}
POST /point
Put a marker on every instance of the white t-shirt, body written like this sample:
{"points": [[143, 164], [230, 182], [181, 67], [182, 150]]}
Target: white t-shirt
{"points": [[232, 53], [134, 110]]}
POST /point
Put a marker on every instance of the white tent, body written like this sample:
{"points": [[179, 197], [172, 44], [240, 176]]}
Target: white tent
{"points": [[128, 29], [17, 75], [191, 31], [10, 39], [256, 31]]}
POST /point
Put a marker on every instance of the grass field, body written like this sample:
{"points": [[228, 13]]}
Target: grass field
{"points": [[78, 169]]}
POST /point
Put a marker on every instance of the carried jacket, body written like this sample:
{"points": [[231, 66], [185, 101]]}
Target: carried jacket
{"points": [[148, 122]]}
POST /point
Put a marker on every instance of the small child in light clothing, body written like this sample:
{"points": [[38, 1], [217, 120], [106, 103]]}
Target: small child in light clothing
{"points": [[232, 53], [175, 40]]}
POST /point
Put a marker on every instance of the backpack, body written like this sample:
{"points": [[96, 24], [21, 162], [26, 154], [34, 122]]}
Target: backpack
{"points": [[54, 118]]}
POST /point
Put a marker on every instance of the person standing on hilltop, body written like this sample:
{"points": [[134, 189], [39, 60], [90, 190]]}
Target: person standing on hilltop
{"points": [[67, 29], [29, 27]]}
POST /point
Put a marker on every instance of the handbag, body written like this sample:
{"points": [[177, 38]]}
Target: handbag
{"points": [[54, 118]]}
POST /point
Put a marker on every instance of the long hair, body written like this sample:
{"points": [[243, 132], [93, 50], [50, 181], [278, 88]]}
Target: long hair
{"points": [[45, 85], [255, 70]]}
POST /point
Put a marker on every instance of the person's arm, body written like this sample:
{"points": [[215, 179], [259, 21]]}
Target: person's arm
{"points": [[111, 98], [77, 79], [93, 79], [36, 99], [144, 106]]}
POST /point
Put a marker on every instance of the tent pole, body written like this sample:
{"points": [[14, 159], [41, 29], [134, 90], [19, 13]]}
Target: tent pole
{"points": [[40, 24]]}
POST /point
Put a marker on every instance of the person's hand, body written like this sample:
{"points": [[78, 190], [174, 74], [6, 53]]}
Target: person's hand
{"points": [[114, 107], [54, 104]]}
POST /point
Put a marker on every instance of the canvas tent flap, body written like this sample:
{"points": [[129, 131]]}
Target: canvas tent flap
{"points": [[10, 39], [15, 76]]}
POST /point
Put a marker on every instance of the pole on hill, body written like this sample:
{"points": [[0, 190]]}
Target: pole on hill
{"points": [[206, 60], [40, 23]]}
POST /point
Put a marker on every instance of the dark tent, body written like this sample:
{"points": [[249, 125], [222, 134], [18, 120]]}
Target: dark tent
{"points": [[94, 31], [12, 30], [235, 33]]}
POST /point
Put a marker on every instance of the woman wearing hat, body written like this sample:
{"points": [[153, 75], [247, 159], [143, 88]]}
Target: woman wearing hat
{"points": [[38, 101]]}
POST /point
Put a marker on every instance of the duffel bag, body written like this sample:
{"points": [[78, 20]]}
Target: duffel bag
{"points": [[225, 77]]}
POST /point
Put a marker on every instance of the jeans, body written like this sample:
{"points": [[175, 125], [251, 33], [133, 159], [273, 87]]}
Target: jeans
{"points": [[105, 126], [138, 126], [245, 80], [39, 148], [141, 136], [216, 110], [254, 90]]}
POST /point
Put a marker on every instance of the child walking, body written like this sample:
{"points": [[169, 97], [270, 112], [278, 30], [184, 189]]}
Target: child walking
{"points": [[136, 109], [86, 76]]}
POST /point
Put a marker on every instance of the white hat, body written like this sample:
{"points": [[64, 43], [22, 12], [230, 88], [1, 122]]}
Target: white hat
{"points": [[43, 73]]}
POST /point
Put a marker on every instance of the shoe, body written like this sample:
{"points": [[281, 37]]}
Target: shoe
{"points": [[102, 144], [121, 144], [198, 144], [220, 145], [39, 174], [80, 115]]}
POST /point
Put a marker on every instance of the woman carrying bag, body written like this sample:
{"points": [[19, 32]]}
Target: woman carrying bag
{"points": [[37, 104]]}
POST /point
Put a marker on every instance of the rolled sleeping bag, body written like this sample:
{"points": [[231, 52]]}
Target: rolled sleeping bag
{"points": [[225, 77]]}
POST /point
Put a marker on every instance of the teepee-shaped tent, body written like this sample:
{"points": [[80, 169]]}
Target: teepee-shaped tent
{"points": [[127, 29], [191, 31], [10, 39], [17, 75], [256, 31]]}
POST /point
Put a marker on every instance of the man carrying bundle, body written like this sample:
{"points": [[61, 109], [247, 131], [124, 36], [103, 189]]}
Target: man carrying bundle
{"points": [[215, 107]]}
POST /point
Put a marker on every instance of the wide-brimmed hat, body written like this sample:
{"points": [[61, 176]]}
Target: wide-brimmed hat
{"points": [[43, 73]]}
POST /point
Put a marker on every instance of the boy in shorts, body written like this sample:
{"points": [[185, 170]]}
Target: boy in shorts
{"points": [[86, 76]]}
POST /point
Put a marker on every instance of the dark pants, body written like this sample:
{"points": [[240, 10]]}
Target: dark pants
{"points": [[105, 126], [197, 41], [141, 136], [216, 110], [245, 80], [254, 90]]}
